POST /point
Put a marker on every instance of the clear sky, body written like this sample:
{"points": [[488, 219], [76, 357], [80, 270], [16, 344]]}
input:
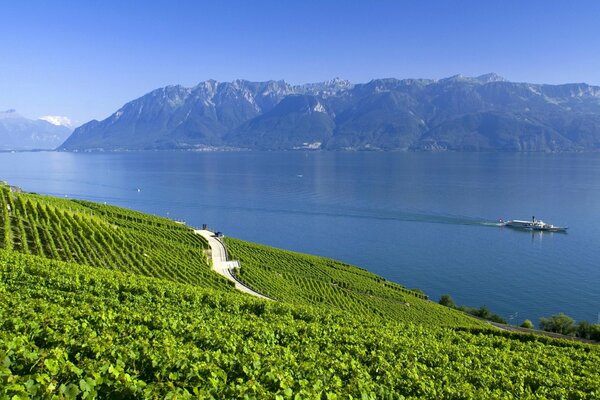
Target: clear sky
{"points": [[84, 59]]}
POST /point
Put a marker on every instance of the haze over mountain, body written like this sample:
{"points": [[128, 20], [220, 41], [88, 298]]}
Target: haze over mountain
{"points": [[20, 133], [485, 113]]}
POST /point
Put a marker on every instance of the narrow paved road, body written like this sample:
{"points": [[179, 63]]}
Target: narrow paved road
{"points": [[221, 265]]}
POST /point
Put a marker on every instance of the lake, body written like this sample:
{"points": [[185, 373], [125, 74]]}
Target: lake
{"points": [[424, 220]]}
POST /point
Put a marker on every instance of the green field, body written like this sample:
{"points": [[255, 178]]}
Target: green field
{"points": [[101, 302]]}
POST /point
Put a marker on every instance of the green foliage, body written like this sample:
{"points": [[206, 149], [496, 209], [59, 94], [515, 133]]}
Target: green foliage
{"points": [[447, 301], [527, 324], [304, 279], [594, 332], [559, 323], [586, 330], [481, 312], [70, 331]]}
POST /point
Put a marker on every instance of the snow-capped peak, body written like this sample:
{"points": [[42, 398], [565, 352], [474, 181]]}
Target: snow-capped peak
{"points": [[58, 120]]}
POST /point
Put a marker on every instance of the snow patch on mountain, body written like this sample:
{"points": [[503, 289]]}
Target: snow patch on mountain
{"points": [[58, 120], [319, 108], [20, 133]]}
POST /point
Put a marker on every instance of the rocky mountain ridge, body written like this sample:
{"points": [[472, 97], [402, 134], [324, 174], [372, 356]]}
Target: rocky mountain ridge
{"points": [[484, 113]]}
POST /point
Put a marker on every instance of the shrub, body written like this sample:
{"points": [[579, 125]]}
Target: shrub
{"points": [[527, 324], [559, 323], [447, 301]]}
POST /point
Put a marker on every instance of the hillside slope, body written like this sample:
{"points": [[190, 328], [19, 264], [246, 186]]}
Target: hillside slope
{"points": [[147, 318], [71, 330], [304, 279], [104, 236]]}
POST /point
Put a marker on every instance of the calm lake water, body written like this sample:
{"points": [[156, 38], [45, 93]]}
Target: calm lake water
{"points": [[421, 219]]}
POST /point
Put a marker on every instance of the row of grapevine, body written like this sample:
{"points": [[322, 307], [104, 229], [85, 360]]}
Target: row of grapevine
{"points": [[5, 229], [150, 224]]}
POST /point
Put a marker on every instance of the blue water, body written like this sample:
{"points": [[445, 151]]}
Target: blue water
{"points": [[424, 220]]}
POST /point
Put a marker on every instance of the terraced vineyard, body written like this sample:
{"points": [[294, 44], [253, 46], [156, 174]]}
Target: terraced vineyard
{"points": [[134, 312], [304, 279], [104, 236]]}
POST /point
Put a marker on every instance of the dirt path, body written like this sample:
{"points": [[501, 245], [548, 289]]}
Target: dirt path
{"points": [[222, 265]]}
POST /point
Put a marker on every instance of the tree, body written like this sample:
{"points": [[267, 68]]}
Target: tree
{"points": [[559, 323], [447, 301], [481, 312], [583, 329], [527, 324], [595, 332], [586, 330]]}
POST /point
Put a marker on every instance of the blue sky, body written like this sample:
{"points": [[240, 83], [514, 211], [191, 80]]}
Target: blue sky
{"points": [[84, 59]]}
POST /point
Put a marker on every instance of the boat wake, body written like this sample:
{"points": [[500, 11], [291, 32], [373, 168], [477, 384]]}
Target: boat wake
{"points": [[432, 218], [377, 214], [418, 216], [495, 224]]}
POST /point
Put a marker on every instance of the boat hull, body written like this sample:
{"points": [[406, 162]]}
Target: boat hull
{"points": [[534, 226]]}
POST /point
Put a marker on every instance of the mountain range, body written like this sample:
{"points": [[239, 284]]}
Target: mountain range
{"points": [[20, 133], [484, 113]]}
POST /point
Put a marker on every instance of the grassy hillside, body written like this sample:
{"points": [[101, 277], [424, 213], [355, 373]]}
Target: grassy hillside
{"points": [[304, 279], [99, 301]]}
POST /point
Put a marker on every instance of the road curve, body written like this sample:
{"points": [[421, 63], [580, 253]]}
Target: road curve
{"points": [[222, 266]]}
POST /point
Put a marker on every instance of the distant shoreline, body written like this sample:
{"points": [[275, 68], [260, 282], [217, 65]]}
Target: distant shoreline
{"points": [[242, 150]]}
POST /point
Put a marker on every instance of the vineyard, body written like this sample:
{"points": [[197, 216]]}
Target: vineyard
{"points": [[76, 331], [304, 279], [104, 236], [98, 301]]}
